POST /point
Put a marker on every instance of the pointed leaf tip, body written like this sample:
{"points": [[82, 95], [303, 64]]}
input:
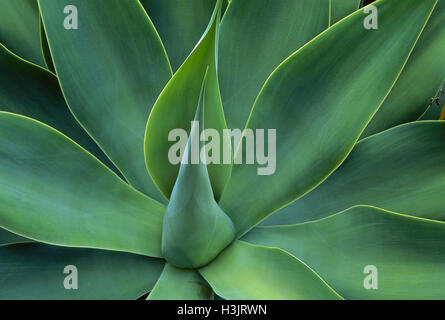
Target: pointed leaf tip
{"points": [[195, 229], [176, 108]]}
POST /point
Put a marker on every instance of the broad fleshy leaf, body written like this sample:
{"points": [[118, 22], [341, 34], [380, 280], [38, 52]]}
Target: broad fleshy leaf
{"points": [[366, 248], [180, 284], [7, 237], [19, 29], [180, 24], [256, 36], [195, 229], [53, 191], [247, 272], [175, 109], [401, 169], [111, 70], [419, 80], [319, 109], [34, 92], [37, 271]]}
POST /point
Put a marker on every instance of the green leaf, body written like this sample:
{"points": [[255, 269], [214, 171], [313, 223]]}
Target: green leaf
{"points": [[195, 229], [180, 284], [7, 237], [111, 70], [317, 105], [19, 29], [342, 8], [401, 169], [433, 111], [34, 92], [407, 252], [180, 24], [419, 80], [37, 271], [54, 191], [176, 107], [248, 272], [45, 49], [256, 36]]}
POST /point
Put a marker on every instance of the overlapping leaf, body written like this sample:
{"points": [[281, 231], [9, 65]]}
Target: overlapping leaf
{"points": [[401, 170], [175, 109], [195, 229], [111, 69], [7, 237], [405, 253], [419, 80], [180, 24], [180, 284], [245, 271], [54, 191], [19, 29], [34, 92], [256, 36], [36, 271], [317, 105]]}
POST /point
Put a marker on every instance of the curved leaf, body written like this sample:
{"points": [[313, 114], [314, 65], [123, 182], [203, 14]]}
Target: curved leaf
{"points": [[53, 191], [7, 237], [419, 80], [34, 92], [401, 169], [407, 252], [180, 24], [19, 29], [111, 70], [37, 271], [195, 229], [245, 271], [180, 284], [317, 105], [176, 107], [256, 36]]}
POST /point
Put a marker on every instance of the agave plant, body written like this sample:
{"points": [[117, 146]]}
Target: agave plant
{"points": [[86, 182]]}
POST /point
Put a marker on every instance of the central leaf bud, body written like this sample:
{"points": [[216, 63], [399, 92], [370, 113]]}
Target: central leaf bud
{"points": [[195, 228]]}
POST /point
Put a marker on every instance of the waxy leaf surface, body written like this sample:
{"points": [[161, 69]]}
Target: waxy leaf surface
{"points": [[405, 253], [37, 271], [319, 109], [111, 70], [53, 191]]}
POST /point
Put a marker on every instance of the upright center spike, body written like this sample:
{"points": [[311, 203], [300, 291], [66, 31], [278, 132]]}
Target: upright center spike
{"points": [[195, 229]]}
